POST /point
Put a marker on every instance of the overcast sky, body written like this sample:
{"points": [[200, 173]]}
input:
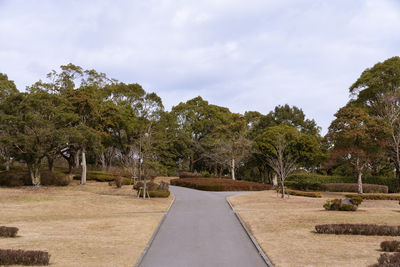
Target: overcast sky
{"points": [[244, 55]]}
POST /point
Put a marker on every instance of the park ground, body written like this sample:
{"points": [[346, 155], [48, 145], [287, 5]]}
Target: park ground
{"points": [[284, 228], [91, 225]]}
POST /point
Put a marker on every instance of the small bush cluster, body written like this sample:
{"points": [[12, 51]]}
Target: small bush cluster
{"points": [[14, 178], [98, 176], [390, 246], [376, 196], [337, 204], [154, 190], [347, 187], [23, 257], [55, 178], [305, 186], [189, 175], [303, 193], [119, 181], [8, 231], [388, 260], [220, 184], [358, 229]]}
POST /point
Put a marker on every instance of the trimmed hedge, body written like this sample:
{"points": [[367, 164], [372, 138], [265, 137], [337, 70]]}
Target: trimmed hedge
{"points": [[303, 193], [312, 178], [8, 231], [305, 186], [376, 196], [388, 260], [358, 229], [98, 176], [390, 246], [352, 187], [23, 257], [220, 184], [189, 175], [16, 178]]}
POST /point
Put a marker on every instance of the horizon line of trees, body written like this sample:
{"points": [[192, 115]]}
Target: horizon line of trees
{"points": [[83, 116]]}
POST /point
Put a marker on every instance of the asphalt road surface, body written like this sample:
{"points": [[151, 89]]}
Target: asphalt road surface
{"points": [[201, 230]]}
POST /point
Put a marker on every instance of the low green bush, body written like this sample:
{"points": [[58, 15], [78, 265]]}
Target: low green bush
{"points": [[358, 229], [388, 260], [390, 246], [14, 178], [376, 196], [337, 204], [305, 186], [220, 184], [23, 257], [8, 231]]}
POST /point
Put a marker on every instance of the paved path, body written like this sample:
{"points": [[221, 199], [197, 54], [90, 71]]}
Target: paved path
{"points": [[201, 230]]}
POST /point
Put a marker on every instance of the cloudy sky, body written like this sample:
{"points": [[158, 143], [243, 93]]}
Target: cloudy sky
{"points": [[241, 54]]}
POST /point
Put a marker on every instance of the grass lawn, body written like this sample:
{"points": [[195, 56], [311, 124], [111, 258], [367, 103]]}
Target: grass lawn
{"points": [[91, 225], [285, 229]]}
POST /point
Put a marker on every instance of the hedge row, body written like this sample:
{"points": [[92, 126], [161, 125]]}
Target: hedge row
{"points": [[390, 246], [220, 184], [8, 231], [156, 193], [23, 257], [303, 193], [388, 260], [311, 179], [358, 229], [347, 187], [98, 176], [15, 178], [189, 175], [376, 196]]}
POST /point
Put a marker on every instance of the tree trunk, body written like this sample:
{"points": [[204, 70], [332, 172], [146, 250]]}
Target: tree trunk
{"points": [[103, 161], [275, 179], [50, 162], [359, 181], [34, 173], [8, 161], [398, 178], [233, 169], [83, 175], [283, 188], [76, 157]]}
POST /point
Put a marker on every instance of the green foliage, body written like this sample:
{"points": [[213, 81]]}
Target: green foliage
{"points": [[358, 229], [336, 204], [98, 176], [303, 193]]}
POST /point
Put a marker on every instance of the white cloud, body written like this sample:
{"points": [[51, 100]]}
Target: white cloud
{"points": [[246, 55]]}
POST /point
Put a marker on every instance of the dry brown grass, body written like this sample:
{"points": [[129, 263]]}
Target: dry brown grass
{"points": [[285, 229], [91, 225]]}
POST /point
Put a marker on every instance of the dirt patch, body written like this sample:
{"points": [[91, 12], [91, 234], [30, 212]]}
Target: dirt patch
{"points": [[91, 225], [284, 229]]}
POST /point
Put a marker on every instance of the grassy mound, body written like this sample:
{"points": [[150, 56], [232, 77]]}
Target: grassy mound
{"points": [[220, 184]]}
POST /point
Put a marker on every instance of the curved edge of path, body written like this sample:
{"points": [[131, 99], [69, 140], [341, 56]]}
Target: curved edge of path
{"points": [[252, 238], [144, 252]]}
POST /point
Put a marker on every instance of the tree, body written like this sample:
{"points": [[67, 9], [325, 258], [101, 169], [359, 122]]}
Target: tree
{"points": [[378, 90], [277, 144], [35, 124], [7, 89], [230, 143], [356, 138]]}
